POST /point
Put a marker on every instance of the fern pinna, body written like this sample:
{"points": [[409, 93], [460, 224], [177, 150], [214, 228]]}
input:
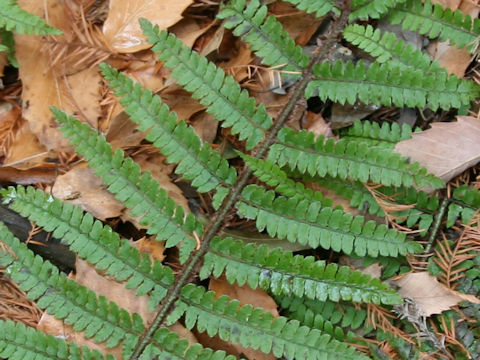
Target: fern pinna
{"points": [[322, 303]]}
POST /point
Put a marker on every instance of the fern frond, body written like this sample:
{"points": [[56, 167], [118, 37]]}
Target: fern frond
{"points": [[375, 9], [211, 87], [265, 35], [139, 192], [306, 222], [167, 345], [385, 135], [196, 160], [465, 204], [65, 299], [387, 47], [386, 84], [256, 328], [13, 17], [319, 7], [19, 342], [274, 176], [347, 159], [8, 42], [92, 241], [435, 21], [326, 316], [282, 273]]}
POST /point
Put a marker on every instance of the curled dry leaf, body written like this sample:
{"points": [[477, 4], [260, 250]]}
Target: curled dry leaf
{"points": [[122, 30], [431, 296], [81, 187], [446, 149]]}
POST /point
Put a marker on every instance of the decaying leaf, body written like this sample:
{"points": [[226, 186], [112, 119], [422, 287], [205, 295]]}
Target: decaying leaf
{"points": [[446, 149], [122, 30], [83, 188], [431, 296]]}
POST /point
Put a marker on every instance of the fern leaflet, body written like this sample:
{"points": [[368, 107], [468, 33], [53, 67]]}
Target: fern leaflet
{"points": [[319, 7], [282, 273], [386, 84], [265, 34], [306, 222], [435, 21], [92, 241], [385, 135], [256, 328], [387, 47], [375, 9], [211, 87], [65, 299], [19, 342], [347, 159], [13, 17], [139, 192], [196, 161]]}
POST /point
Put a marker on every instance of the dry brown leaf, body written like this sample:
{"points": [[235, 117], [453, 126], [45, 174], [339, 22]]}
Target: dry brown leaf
{"points": [[122, 30], [189, 30], [431, 296], [205, 126], [81, 187], [148, 245], [3, 62], [451, 4], [122, 132], [44, 85], [316, 124], [181, 102], [246, 295], [446, 149]]}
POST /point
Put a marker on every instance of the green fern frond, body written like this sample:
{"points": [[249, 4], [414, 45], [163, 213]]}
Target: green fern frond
{"points": [[306, 222], [197, 161], [326, 316], [435, 21], [387, 47], [256, 328], [173, 347], [20, 342], [8, 44], [319, 7], [13, 17], [265, 35], [387, 84], [465, 204], [282, 273], [385, 135], [346, 159], [375, 9], [139, 192], [274, 176], [211, 87], [92, 241], [65, 299]]}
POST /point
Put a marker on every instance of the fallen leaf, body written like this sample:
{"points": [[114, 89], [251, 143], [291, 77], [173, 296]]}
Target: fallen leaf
{"points": [[44, 85], [316, 124], [148, 245], [122, 132], [81, 187], [446, 149], [430, 296], [451, 4], [246, 295], [205, 126], [10, 175], [189, 30], [122, 30], [3, 62]]}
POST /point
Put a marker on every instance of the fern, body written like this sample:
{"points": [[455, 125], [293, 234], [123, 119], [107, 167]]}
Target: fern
{"points": [[92, 241], [387, 47], [281, 272], [385, 135], [356, 161], [140, 193], [265, 34], [308, 223], [319, 7], [386, 84], [434, 21], [363, 9], [256, 328], [211, 86], [19, 342], [13, 17]]}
